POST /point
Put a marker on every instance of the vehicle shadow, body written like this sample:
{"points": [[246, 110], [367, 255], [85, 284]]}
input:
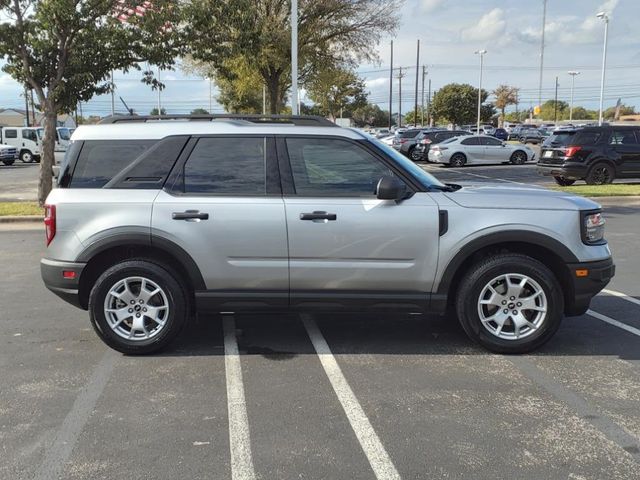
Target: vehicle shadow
{"points": [[281, 337]]}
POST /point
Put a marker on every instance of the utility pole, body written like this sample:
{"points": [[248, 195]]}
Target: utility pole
{"points": [[517, 117], [482, 54], [113, 98], [429, 104], [159, 95], [573, 74], [399, 77], [264, 99], [294, 58], [544, 21], [424, 72], [26, 105], [210, 97], [415, 99], [555, 104], [391, 89], [603, 16]]}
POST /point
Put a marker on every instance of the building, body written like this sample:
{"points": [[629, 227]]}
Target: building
{"points": [[16, 117]]}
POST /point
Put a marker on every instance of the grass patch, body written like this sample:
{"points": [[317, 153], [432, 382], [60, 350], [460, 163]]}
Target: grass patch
{"points": [[611, 190], [20, 208]]}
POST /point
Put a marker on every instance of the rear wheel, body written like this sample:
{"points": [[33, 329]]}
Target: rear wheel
{"points": [[518, 157], [510, 303], [564, 182], [415, 154], [137, 307], [457, 160], [600, 174]]}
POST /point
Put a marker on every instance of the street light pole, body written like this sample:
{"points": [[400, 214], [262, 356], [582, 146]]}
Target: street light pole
{"points": [[605, 17], [294, 57], [481, 53], [544, 21], [573, 74]]}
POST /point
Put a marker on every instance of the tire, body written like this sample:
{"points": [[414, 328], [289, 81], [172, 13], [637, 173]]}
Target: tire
{"points": [[27, 157], [170, 306], [600, 174], [493, 271], [564, 182], [518, 157], [8, 163], [457, 160], [415, 155]]}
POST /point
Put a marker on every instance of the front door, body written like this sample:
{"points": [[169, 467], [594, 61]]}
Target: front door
{"points": [[226, 211], [494, 150], [346, 247], [473, 150], [625, 143]]}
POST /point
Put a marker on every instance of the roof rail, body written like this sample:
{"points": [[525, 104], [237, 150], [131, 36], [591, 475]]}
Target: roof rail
{"points": [[300, 120]]}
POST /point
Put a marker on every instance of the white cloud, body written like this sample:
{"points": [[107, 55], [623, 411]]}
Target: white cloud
{"points": [[490, 26], [431, 5], [376, 82]]}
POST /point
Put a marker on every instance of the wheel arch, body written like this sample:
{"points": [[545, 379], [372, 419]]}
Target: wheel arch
{"points": [[103, 253], [543, 248]]}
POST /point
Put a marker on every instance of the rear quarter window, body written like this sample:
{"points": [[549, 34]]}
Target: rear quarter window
{"points": [[100, 160]]}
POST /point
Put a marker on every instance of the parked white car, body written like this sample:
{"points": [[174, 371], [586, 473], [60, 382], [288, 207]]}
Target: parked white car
{"points": [[479, 149]]}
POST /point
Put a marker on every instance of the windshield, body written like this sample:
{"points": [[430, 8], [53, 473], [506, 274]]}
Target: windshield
{"points": [[40, 133], [64, 133], [426, 179]]}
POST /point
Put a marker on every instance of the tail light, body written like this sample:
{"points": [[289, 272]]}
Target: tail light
{"points": [[403, 140], [571, 151], [49, 222]]}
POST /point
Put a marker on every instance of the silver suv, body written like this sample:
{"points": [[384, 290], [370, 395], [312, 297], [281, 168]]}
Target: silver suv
{"points": [[154, 221]]}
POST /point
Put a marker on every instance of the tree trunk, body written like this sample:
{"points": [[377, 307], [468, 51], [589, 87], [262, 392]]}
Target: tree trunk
{"points": [[273, 89], [47, 157]]}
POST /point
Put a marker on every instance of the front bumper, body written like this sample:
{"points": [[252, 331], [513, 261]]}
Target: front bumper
{"points": [[65, 288], [573, 170], [584, 288]]}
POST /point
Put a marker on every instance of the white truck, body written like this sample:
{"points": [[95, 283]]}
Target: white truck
{"points": [[25, 140]]}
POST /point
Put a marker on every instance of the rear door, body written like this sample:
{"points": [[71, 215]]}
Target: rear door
{"points": [[347, 247], [625, 143], [473, 150], [223, 205]]}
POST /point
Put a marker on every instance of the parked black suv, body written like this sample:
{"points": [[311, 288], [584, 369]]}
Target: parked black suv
{"points": [[421, 151], [596, 155]]}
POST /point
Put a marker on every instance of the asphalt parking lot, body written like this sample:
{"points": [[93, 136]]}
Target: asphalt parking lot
{"points": [[323, 396], [19, 182]]}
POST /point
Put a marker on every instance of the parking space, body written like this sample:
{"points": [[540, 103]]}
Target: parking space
{"points": [[326, 396]]}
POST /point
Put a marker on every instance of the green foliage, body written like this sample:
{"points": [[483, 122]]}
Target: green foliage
{"points": [[154, 111], [199, 111], [225, 33], [370, 115], [581, 113], [457, 103], [336, 89], [409, 120], [547, 111], [609, 113]]}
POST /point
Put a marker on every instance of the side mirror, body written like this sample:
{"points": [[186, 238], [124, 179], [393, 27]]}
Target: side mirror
{"points": [[504, 144], [391, 188]]}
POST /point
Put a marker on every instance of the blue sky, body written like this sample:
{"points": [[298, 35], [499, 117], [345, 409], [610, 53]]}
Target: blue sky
{"points": [[449, 32]]}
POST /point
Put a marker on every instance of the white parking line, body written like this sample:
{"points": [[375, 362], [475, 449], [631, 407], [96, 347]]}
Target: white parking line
{"points": [[379, 460], [624, 296], [614, 322], [239, 439]]}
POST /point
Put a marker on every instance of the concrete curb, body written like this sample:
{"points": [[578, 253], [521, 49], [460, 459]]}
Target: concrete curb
{"points": [[22, 219]]}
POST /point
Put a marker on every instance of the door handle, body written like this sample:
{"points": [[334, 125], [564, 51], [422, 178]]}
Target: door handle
{"points": [[317, 215], [190, 215]]}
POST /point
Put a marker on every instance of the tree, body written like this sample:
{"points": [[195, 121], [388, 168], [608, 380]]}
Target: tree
{"points": [[371, 115], [505, 96], [199, 111], [610, 113], [581, 113], [457, 103], [409, 120], [65, 50], [330, 33], [335, 89], [154, 111], [548, 111]]}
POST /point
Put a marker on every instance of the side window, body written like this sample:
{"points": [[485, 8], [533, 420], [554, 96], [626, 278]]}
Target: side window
{"points": [[231, 166], [323, 166], [471, 141], [11, 134], [99, 161], [492, 142], [622, 137]]}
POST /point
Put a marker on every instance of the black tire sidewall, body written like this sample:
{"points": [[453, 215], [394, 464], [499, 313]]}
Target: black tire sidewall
{"points": [[564, 182], [166, 280], [481, 274], [589, 178], [462, 158], [516, 156]]}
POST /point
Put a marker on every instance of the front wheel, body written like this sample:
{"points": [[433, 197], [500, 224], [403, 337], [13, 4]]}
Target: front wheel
{"points": [[137, 307], [27, 157], [510, 303], [415, 155], [518, 157], [564, 182]]}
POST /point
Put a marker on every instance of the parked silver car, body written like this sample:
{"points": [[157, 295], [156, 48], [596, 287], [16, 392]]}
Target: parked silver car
{"points": [[154, 221], [479, 149]]}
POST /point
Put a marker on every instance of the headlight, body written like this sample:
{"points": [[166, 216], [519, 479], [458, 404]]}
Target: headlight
{"points": [[592, 225]]}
